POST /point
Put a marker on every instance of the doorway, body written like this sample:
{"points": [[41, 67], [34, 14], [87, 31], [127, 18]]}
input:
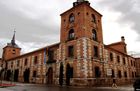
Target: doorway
{"points": [[16, 75], [26, 75], [49, 75]]}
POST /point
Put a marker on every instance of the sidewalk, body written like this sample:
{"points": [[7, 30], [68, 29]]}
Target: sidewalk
{"points": [[16, 83], [2, 85]]}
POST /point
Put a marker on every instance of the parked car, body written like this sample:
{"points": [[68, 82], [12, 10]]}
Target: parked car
{"points": [[136, 85]]}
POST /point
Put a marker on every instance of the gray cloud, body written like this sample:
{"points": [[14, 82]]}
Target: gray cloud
{"points": [[37, 22], [129, 10], [32, 31]]}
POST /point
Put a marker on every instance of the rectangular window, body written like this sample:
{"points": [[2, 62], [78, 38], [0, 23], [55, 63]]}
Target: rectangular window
{"points": [[119, 74], [18, 63], [111, 57], [124, 61], [118, 59], [113, 74], [133, 75], [95, 51], [125, 74], [131, 63], [51, 55], [34, 74], [11, 64], [35, 60], [25, 61], [70, 51]]}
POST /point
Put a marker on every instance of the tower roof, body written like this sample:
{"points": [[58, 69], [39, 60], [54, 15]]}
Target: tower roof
{"points": [[80, 1], [13, 39], [13, 43]]}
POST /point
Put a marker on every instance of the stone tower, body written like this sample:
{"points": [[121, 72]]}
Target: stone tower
{"points": [[11, 50], [81, 40]]}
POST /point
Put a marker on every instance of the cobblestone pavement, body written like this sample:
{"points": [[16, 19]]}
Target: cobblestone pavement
{"points": [[33, 87]]}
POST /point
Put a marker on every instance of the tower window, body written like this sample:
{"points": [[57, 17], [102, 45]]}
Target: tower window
{"points": [[71, 34], [71, 18], [95, 51], [14, 51], [78, 13], [94, 35], [70, 51], [93, 18]]}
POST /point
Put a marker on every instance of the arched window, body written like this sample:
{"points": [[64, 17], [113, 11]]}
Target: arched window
{"points": [[71, 18], [94, 35], [71, 34], [93, 18]]}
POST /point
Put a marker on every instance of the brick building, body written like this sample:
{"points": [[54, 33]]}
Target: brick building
{"points": [[81, 51]]}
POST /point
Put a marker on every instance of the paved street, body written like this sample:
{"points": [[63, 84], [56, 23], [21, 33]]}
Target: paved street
{"points": [[32, 87]]}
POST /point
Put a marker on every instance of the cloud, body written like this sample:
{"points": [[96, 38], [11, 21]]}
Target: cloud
{"points": [[37, 22], [129, 10]]}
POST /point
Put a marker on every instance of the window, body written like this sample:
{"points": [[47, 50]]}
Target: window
{"points": [[93, 18], [25, 61], [51, 55], [125, 74], [119, 74], [11, 64], [131, 63], [71, 34], [94, 35], [113, 74], [111, 57], [34, 73], [124, 61], [70, 51], [95, 51], [118, 59], [71, 18], [18, 63], [97, 72], [134, 63], [14, 51], [35, 60], [132, 74]]}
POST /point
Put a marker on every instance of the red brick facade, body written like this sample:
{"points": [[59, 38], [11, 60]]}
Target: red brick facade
{"points": [[81, 46]]}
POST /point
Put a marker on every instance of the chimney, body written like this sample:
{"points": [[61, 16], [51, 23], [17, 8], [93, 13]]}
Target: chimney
{"points": [[122, 39]]}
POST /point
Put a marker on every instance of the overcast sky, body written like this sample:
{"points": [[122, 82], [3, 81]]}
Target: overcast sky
{"points": [[37, 22]]}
